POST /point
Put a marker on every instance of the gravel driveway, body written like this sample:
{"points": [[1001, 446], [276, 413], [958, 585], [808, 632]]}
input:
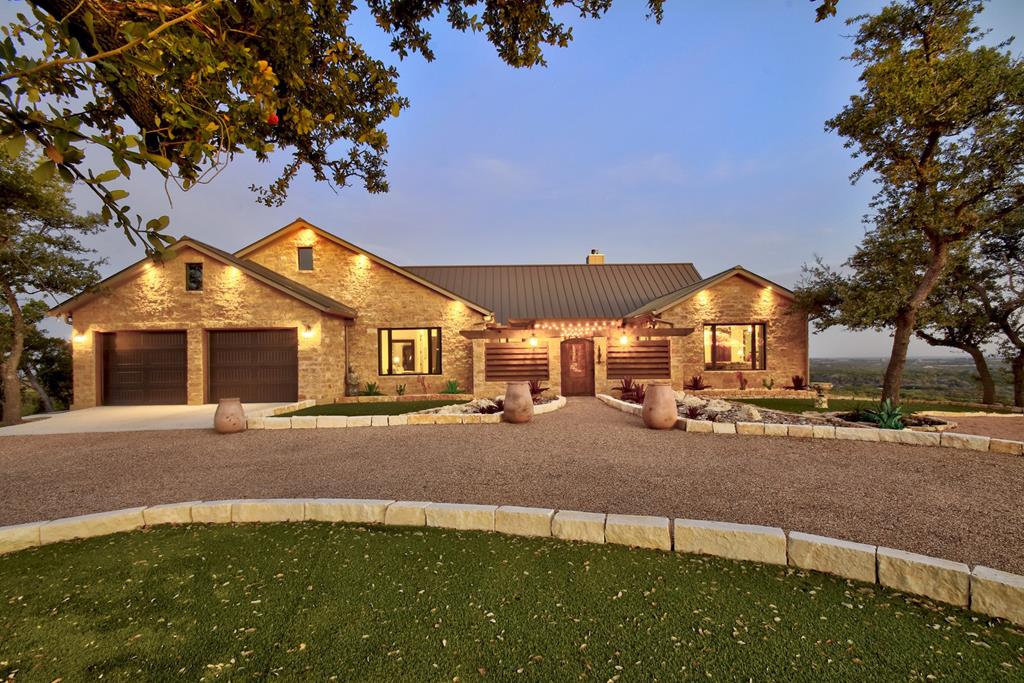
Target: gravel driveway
{"points": [[953, 504]]}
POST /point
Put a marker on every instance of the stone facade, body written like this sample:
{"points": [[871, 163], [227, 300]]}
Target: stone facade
{"points": [[156, 299], [383, 298], [740, 301]]}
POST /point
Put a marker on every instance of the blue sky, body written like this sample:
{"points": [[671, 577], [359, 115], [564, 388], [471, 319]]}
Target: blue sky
{"points": [[701, 139]]}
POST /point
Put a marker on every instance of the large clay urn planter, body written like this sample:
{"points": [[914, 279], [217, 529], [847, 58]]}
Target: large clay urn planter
{"points": [[230, 416], [518, 403], [660, 407]]}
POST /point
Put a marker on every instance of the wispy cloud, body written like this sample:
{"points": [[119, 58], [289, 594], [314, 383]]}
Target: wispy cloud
{"points": [[657, 169]]}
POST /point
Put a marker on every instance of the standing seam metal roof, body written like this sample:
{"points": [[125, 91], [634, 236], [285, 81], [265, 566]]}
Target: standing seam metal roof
{"points": [[531, 292]]}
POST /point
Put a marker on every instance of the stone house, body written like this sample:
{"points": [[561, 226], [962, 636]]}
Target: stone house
{"points": [[303, 314]]}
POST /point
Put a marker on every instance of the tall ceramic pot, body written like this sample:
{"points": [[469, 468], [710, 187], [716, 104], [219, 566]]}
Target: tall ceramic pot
{"points": [[518, 403], [660, 407], [230, 416]]}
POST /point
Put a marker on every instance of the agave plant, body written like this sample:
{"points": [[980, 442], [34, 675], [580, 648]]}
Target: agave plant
{"points": [[451, 387], [696, 383], [887, 416], [372, 389]]}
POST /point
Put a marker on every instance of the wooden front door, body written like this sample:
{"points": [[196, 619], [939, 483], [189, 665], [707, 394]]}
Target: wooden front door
{"points": [[578, 367]]}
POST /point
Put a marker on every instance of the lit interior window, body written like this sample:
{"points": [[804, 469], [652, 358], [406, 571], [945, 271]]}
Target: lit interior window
{"points": [[734, 347], [410, 351]]}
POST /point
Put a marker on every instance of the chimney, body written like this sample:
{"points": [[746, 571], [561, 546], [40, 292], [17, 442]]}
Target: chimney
{"points": [[595, 258]]}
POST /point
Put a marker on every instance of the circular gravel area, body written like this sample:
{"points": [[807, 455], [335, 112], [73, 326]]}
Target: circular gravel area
{"points": [[948, 503]]}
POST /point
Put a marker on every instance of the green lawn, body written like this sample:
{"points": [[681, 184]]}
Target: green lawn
{"points": [[385, 408], [800, 405], [316, 601]]}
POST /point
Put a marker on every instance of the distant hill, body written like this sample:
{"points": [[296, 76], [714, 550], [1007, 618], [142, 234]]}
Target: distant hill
{"points": [[951, 378]]}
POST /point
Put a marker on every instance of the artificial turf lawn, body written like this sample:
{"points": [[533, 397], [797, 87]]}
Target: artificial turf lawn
{"points": [[384, 408], [803, 405], [317, 600]]}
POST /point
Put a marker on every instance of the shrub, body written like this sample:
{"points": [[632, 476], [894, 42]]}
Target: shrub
{"points": [[372, 389], [639, 393], [451, 387], [693, 412], [536, 389], [696, 383], [742, 380], [400, 390], [799, 383]]}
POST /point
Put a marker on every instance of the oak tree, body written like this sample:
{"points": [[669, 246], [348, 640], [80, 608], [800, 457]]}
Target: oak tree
{"points": [[41, 254], [938, 126]]}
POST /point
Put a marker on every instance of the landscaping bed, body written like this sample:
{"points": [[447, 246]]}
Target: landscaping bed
{"points": [[318, 600], [375, 408], [797, 405]]}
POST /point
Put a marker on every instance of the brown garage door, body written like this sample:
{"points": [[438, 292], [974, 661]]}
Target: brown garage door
{"points": [[144, 368], [256, 366]]}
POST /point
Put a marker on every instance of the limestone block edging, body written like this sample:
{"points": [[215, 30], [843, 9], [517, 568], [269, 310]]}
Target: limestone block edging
{"points": [[998, 594], [936, 578], [985, 590], [523, 521], [271, 418], [734, 541], [638, 531], [832, 556], [970, 442]]}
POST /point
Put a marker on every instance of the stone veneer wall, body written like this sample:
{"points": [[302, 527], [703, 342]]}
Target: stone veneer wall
{"points": [[156, 299], [382, 298], [737, 300]]}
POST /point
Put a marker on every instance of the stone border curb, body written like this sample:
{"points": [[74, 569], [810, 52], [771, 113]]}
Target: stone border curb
{"points": [[988, 591], [262, 419], [965, 442]]}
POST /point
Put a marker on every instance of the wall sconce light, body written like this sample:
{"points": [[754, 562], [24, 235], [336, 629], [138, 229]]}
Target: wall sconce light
{"points": [[623, 340], [79, 338], [533, 340], [307, 332]]}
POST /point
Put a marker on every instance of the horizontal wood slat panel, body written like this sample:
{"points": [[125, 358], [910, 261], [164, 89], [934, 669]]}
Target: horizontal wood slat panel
{"points": [[640, 360], [515, 362]]}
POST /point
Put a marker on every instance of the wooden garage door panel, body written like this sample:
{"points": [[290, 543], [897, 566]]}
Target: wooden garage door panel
{"points": [[144, 368], [257, 366]]}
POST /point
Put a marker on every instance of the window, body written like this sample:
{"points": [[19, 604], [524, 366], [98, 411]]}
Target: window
{"points": [[405, 351], [734, 347], [193, 277], [305, 258]]}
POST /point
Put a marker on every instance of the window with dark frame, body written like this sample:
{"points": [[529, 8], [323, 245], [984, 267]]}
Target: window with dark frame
{"points": [[193, 277], [735, 346], [305, 258], [409, 351]]}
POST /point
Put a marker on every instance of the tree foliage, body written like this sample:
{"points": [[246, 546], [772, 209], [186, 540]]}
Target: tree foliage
{"points": [[939, 125], [41, 254]]}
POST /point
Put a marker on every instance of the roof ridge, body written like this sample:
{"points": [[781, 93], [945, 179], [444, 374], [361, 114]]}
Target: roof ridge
{"points": [[550, 265]]}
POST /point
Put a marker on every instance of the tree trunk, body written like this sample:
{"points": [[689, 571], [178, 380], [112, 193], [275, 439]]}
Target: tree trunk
{"points": [[988, 385], [906, 321], [12, 384], [1018, 380], [44, 397]]}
